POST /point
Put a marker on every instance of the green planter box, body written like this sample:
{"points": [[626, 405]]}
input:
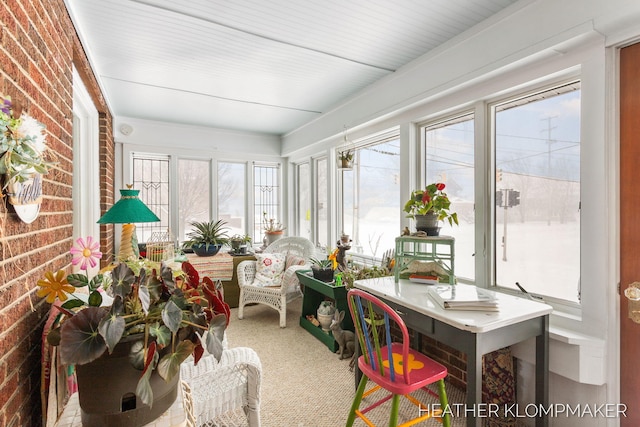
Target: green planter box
{"points": [[314, 292]]}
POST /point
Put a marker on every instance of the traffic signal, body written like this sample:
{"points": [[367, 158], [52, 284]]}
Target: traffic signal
{"points": [[499, 201], [498, 175], [514, 198]]}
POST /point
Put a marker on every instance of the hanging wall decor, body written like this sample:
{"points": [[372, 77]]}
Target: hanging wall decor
{"points": [[22, 160], [346, 152]]}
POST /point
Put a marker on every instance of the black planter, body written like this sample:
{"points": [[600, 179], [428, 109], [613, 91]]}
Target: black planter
{"points": [[323, 274], [107, 391], [206, 250], [428, 223]]}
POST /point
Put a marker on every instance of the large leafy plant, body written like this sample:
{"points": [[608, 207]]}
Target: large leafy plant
{"points": [[207, 234], [432, 199], [174, 314]]}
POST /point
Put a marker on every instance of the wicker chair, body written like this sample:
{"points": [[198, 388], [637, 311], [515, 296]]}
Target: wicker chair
{"points": [[275, 297], [224, 393]]}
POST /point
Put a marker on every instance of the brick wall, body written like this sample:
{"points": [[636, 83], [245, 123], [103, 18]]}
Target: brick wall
{"points": [[38, 49]]}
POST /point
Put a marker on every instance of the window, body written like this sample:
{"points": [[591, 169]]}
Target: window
{"points": [[371, 196], [322, 203], [303, 200], [151, 177], [266, 193], [537, 192], [232, 196], [449, 148], [194, 201]]}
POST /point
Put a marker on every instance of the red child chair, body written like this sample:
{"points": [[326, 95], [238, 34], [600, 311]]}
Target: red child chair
{"points": [[377, 350]]}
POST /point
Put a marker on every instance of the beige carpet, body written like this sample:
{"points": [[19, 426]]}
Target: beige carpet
{"points": [[304, 384]]}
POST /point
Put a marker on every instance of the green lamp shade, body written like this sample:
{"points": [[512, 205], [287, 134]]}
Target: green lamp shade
{"points": [[129, 209]]}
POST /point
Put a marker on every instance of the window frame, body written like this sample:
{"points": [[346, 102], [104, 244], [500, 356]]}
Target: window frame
{"points": [[566, 307]]}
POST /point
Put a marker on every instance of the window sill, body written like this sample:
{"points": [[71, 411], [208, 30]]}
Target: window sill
{"points": [[573, 355]]}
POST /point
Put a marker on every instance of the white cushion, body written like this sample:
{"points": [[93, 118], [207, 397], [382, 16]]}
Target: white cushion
{"points": [[269, 269]]}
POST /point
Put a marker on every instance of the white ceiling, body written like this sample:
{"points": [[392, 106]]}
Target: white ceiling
{"points": [[252, 65]]}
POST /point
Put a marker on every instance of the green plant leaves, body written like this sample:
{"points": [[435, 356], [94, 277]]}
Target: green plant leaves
{"points": [[169, 365], [215, 335], [172, 316], [123, 278], [80, 340], [112, 326]]}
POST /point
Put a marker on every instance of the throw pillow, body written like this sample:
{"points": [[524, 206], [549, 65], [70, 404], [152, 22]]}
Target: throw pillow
{"points": [[269, 269], [293, 260]]}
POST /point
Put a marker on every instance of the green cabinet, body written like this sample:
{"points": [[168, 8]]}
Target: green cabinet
{"points": [[430, 248], [314, 292]]}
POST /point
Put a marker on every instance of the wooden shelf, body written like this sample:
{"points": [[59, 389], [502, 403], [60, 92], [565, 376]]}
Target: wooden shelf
{"points": [[314, 292]]}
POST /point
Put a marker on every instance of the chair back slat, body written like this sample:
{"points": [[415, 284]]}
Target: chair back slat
{"points": [[371, 342]]}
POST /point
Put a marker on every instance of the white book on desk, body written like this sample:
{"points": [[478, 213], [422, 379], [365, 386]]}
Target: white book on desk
{"points": [[463, 297]]}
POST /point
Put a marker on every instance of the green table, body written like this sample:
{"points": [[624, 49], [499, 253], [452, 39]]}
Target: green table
{"points": [[314, 292]]}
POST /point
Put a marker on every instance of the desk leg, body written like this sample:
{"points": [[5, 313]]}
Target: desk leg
{"points": [[474, 386], [542, 371]]}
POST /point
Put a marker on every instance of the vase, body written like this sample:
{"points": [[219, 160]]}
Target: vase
{"points": [[107, 390], [428, 223], [325, 321], [272, 236]]}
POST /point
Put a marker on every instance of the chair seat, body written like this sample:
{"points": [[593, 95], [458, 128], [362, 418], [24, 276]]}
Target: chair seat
{"points": [[424, 370]]}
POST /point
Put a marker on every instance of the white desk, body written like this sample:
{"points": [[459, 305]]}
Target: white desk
{"points": [[472, 332]]}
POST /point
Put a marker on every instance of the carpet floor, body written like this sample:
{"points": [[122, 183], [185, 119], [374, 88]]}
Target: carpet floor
{"points": [[304, 384]]}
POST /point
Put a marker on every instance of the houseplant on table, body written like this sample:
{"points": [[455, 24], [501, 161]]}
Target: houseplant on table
{"points": [[428, 207], [207, 238], [239, 243], [138, 312]]}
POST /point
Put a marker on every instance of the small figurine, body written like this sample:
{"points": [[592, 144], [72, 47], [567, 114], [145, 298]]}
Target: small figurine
{"points": [[406, 232]]}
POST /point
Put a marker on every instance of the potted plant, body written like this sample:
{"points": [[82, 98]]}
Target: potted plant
{"points": [[325, 313], [428, 207], [273, 229], [345, 159], [239, 243], [207, 237], [322, 269], [137, 321]]}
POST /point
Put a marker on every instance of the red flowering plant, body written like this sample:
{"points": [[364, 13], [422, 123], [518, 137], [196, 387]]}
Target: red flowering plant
{"points": [[432, 199], [173, 313]]}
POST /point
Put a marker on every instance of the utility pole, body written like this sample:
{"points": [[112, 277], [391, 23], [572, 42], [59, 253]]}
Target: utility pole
{"points": [[549, 142]]}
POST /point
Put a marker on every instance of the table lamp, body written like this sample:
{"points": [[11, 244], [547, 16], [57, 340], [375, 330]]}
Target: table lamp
{"points": [[128, 210]]}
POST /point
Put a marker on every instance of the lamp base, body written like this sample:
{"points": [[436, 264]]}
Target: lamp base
{"points": [[128, 243]]}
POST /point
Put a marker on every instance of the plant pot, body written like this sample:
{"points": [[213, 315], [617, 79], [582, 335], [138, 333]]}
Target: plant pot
{"points": [[428, 223], [107, 391], [323, 274], [272, 236], [345, 164], [206, 250], [325, 321]]}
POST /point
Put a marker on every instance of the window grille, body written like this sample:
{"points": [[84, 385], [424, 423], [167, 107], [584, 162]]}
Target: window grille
{"points": [[151, 177], [266, 185]]}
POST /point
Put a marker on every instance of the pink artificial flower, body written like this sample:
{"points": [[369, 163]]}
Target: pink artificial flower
{"points": [[86, 252]]}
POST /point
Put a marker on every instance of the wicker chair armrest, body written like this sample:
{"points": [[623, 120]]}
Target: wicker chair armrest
{"points": [[246, 272], [290, 282], [209, 378]]}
